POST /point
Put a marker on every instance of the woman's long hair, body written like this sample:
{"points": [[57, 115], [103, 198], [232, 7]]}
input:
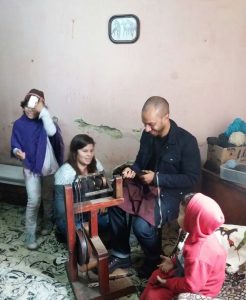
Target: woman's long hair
{"points": [[78, 142]]}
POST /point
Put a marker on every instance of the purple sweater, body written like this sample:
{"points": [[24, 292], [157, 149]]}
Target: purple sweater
{"points": [[29, 136]]}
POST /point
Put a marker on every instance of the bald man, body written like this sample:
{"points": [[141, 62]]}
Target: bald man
{"points": [[169, 163]]}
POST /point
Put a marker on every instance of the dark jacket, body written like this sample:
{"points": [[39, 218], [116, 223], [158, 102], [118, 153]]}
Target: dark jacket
{"points": [[178, 167]]}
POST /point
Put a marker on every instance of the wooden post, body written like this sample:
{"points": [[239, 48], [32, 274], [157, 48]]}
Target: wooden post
{"points": [[71, 237]]}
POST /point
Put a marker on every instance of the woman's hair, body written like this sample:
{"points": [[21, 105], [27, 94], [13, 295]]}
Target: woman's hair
{"points": [[80, 141], [27, 97], [187, 199]]}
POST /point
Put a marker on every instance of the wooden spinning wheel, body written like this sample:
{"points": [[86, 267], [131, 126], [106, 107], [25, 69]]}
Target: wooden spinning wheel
{"points": [[108, 289]]}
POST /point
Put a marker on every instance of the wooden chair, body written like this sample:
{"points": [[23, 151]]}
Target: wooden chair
{"points": [[108, 289]]}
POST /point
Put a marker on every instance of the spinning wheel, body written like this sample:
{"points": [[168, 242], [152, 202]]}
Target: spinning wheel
{"points": [[85, 247]]}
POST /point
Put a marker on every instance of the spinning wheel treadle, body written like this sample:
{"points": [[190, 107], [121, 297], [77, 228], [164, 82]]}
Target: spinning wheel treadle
{"points": [[89, 194]]}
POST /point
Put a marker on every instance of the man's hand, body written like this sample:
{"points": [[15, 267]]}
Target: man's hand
{"points": [[40, 105], [128, 173], [166, 265], [147, 177], [20, 155]]}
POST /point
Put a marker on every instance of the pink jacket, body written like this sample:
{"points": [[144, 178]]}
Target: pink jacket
{"points": [[204, 256]]}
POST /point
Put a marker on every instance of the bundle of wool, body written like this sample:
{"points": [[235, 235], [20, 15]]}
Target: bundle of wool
{"points": [[237, 125], [238, 138]]}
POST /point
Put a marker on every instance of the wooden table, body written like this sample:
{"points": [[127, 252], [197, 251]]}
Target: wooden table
{"points": [[230, 196]]}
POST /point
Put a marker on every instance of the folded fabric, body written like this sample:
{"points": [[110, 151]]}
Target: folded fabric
{"points": [[139, 200]]}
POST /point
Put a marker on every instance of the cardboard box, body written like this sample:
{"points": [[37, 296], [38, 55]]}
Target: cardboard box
{"points": [[218, 155]]}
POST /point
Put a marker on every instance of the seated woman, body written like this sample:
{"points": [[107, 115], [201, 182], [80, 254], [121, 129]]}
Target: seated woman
{"points": [[81, 161]]}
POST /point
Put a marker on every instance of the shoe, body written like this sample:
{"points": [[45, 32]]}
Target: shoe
{"points": [[60, 237], [31, 242], [116, 262], [47, 229], [147, 269]]}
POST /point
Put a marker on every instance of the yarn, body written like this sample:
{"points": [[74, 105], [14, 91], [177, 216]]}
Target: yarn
{"points": [[237, 138], [237, 125]]}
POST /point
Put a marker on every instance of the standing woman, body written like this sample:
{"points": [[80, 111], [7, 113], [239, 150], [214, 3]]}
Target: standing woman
{"points": [[81, 161], [37, 142]]}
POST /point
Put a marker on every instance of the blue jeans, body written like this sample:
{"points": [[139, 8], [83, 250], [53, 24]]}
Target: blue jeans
{"points": [[146, 234], [39, 188]]}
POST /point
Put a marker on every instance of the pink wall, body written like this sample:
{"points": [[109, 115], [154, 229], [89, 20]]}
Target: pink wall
{"points": [[190, 52]]}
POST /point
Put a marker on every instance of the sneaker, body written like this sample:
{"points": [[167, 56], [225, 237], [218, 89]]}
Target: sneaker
{"points": [[47, 228], [116, 262], [31, 242]]}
